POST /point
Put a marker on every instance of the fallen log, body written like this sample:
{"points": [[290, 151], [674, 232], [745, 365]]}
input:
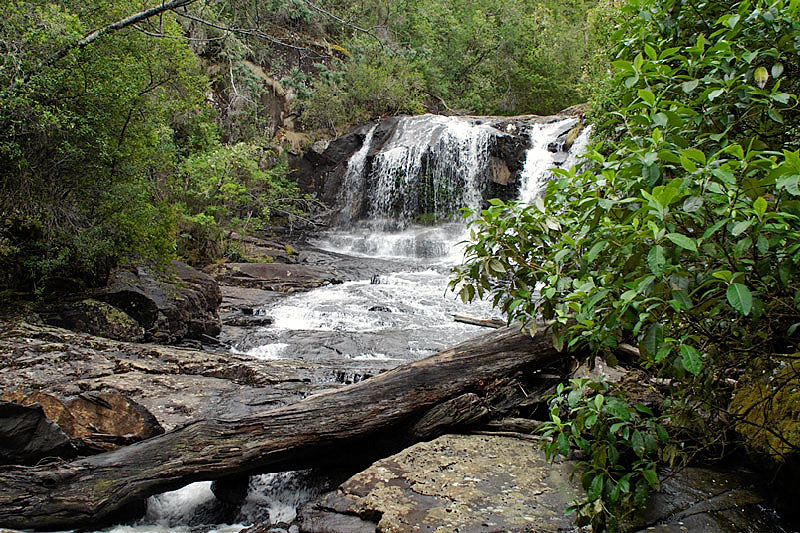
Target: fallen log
{"points": [[318, 431], [475, 321]]}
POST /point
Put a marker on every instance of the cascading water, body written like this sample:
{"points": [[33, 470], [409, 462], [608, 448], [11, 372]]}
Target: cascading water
{"points": [[429, 167], [400, 308], [426, 169]]}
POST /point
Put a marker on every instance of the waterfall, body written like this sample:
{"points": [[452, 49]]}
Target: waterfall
{"points": [[423, 169], [427, 168], [538, 160], [353, 182]]}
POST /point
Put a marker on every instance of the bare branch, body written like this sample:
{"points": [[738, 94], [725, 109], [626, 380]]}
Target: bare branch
{"points": [[240, 31], [181, 37]]}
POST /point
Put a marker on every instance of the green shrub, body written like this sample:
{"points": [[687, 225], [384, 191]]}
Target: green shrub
{"points": [[230, 188], [621, 445], [681, 233]]}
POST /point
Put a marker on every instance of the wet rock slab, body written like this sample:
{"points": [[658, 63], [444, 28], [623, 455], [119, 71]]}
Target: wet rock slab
{"points": [[284, 277], [454, 483], [475, 483], [175, 384]]}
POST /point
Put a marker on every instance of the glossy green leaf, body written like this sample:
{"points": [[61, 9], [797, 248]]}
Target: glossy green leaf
{"points": [[692, 359], [740, 298], [656, 260], [683, 241]]}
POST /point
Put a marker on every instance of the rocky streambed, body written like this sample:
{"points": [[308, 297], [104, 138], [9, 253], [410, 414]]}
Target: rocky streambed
{"points": [[298, 326], [492, 479]]}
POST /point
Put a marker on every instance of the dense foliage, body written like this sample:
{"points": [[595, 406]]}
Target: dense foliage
{"points": [[622, 445], [481, 57], [108, 154], [681, 234]]}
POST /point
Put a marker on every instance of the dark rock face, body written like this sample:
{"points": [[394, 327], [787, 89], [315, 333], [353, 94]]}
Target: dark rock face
{"points": [[27, 435], [95, 317], [322, 171], [181, 303], [95, 422], [318, 169]]}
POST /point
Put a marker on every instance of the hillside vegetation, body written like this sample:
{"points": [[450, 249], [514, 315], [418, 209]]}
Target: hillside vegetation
{"points": [[149, 140]]}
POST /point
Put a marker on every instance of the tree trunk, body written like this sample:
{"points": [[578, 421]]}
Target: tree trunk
{"points": [[322, 430]]}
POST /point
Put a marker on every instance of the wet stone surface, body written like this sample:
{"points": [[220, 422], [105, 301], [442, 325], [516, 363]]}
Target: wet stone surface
{"points": [[483, 483], [176, 384]]}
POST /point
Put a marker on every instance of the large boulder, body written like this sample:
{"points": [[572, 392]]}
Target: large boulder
{"points": [[176, 304], [95, 317], [28, 436], [490, 483], [95, 422]]}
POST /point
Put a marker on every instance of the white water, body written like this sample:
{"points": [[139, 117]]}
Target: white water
{"points": [[430, 164], [538, 161], [393, 317]]}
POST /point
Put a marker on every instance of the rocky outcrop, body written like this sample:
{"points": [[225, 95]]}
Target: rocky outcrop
{"points": [[312, 169], [28, 436], [483, 483], [179, 303], [95, 317], [175, 384]]}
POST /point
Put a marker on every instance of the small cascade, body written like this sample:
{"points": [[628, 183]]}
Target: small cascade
{"points": [[539, 159], [578, 147], [353, 182]]}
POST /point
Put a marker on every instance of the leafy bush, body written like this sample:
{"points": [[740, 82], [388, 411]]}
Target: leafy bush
{"points": [[238, 187], [621, 446], [82, 139], [375, 82], [681, 233]]}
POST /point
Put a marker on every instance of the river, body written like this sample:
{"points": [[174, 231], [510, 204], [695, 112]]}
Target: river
{"points": [[402, 311]]}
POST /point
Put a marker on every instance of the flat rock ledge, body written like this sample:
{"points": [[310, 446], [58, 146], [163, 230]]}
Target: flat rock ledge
{"points": [[176, 384], [493, 482]]}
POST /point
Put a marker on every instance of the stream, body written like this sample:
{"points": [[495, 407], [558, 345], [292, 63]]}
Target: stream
{"points": [[402, 311]]}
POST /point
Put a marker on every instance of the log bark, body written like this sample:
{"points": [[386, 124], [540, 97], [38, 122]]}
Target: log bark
{"points": [[318, 431], [475, 321]]}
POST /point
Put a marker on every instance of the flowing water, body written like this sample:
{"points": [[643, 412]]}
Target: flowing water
{"points": [[404, 311]]}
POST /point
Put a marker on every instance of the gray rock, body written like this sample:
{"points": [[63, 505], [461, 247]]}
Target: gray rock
{"points": [[180, 303], [454, 483], [276, 276], [27, 435], [95, 317], [175, 384], [503, 483]]}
